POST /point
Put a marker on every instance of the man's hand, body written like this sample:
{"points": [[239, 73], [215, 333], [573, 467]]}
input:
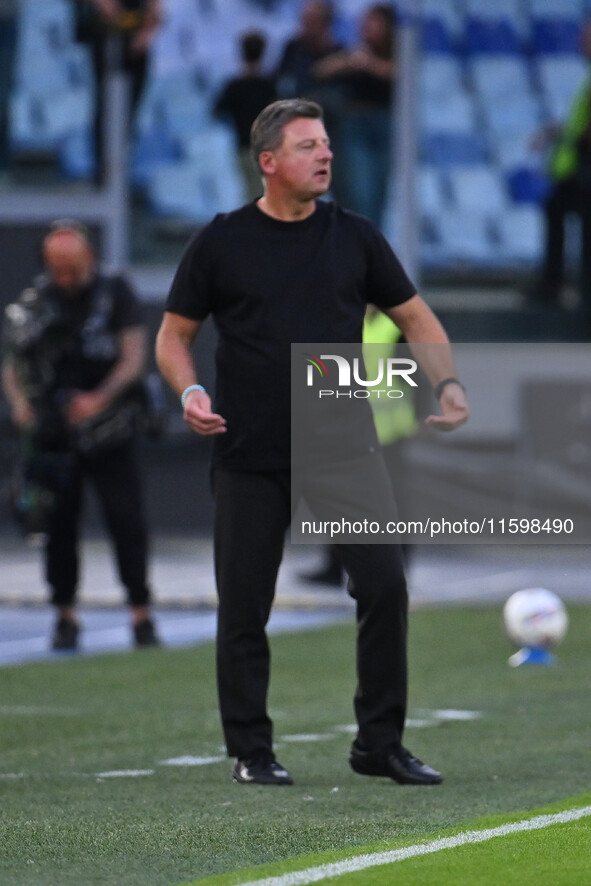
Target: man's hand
{"points": [[22, 414], [199, 416], [85, 405], [454, 407]]}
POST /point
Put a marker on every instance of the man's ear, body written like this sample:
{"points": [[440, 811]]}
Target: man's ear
{"points": [[267, 162]]}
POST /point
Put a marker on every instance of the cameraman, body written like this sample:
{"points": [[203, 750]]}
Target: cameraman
{"points": [[75, 348]]}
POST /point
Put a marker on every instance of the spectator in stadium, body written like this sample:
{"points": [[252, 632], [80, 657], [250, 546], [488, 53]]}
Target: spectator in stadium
{"points": [[365, 76], [75, 353], [242, 99], [119, 34], [570, 192], [293, 268], [8, 27], [314, 41]]}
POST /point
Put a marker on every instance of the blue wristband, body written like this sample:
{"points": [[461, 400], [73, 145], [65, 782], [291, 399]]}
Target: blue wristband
{"points": [[188, 390]]}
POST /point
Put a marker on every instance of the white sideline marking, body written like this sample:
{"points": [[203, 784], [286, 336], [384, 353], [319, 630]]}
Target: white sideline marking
{"points": [[375, 859], [125, 773], [187, 760]]}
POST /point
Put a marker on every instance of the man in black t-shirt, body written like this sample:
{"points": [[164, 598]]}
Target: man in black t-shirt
{"points": [[75, 348], [241, 101], [291, 268]]}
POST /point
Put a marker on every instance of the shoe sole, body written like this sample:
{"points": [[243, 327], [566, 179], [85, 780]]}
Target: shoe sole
{"points": [[277, 781]]}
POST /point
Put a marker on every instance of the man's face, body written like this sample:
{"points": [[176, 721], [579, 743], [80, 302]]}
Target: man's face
{"points": [[69, 261], [301, 166]]}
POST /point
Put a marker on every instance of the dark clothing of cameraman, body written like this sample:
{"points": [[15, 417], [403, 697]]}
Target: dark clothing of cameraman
{"points": [[75, 356]]}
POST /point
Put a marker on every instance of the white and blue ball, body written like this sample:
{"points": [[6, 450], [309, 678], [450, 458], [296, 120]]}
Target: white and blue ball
{"points": [[535, 618]]}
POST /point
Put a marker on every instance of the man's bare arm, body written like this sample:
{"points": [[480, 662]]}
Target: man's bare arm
{"points": [[430, 345], [21, 411], [174, 357], [129, 368]]}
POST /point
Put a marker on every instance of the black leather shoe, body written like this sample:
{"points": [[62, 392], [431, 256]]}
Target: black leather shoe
{"points": [[65, 637], [396, 763], [144, 633], [261, 770]]}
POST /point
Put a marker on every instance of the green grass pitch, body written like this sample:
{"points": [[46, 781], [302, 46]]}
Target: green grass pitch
{"points": [[89, 795]]}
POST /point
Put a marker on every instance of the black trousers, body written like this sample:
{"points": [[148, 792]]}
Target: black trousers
{"points": [[252, 514], [115, 477], [568, 197]]}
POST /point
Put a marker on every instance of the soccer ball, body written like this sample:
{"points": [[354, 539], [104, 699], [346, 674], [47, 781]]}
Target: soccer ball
{"points": [[535, 617]]}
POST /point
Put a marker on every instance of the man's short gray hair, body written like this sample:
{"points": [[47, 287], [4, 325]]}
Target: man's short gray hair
{"points": [[266, 133]]}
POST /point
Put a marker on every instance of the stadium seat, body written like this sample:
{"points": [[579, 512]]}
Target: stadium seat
{"points": [[197, 188], [521, 235], [560, 76], [440, 75], [513, 150], [464, 237], [551, 35], [76, 155], [450, 113], [520, 112], [151, 148], [528, 184], [495, 76], [478, 189], [453, 148], [441, 26], [38, 124], [488, 35], [431, 190], [573, 9]]}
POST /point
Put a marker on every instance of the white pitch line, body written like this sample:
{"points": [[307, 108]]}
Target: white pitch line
{"points": [[375, 859]]}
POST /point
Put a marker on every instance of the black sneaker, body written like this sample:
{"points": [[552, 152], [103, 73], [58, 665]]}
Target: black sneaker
{"points": [[65, 637], [396, 763], [260, 770], [144, 633]]}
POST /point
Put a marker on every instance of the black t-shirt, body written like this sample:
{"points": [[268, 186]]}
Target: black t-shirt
{"points": [[242, 100], [83, 333], [268, 284]]}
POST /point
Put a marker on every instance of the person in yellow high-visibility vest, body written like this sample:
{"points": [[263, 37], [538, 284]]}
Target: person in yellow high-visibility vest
{"points": [[395, 422], [569, 171]]}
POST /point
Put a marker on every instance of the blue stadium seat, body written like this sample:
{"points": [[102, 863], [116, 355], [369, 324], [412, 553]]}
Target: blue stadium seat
{"points": [[495, 76], [435, 37], [41, 123], [478, 189], [207, 182], [513, 150], [487, 35], [441, 26], [454, 112], [464, 236], [151, 148], [76, 155], [520, 235], [431, 188], [573, 9], [528, 184], [560, 76], [453, 148], [519, 112], [550, 35], [440, 75]]}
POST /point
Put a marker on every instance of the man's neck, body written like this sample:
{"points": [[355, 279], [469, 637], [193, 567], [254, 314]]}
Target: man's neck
{"points": [[288, 210]]}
